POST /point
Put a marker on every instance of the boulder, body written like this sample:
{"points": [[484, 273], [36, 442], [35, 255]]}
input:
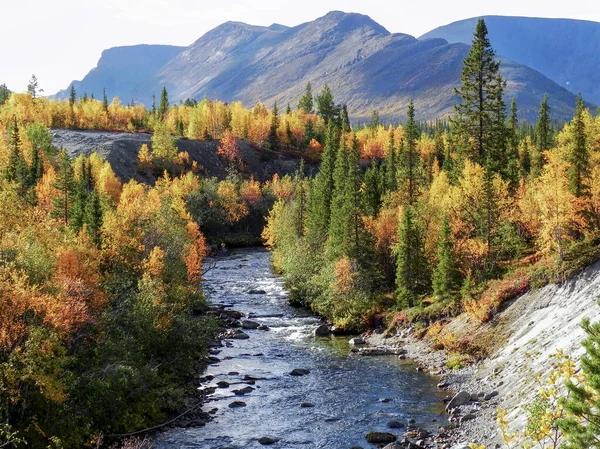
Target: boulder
{"points": [[266, 441], [380, 437], [322, 331], [236, 404], [256, 292], [299, 372], [466, 418], [356, 341], [306, 404], [384, 400], [247, 324], [240, 336], [223, 384], [263, 327], [459, 399], [331, 419], [395, 425], [491, 395], [243, 391]]}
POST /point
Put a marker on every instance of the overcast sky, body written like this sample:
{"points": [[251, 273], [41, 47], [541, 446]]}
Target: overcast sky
{"points": [[61, 40]]}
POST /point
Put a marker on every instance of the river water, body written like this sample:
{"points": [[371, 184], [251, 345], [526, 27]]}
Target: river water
{"points": [[352, 395]]}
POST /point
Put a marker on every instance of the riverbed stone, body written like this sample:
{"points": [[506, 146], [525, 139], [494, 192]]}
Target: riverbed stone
{"points": [[460, 398], [380, 437], [356, 341], [468, 417], [394, 445], [322, 331], [266, 441], [395, 425], [263, 327], [237, 404], [223, 384], [491, 395], [306, 404], [299, 372], [243, 391], [240, 336], [247, 324], [256, 292]]}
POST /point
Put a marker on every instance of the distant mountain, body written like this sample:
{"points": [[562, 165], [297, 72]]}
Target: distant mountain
{"points": [[566, 51], [366, 66], [120, 69]]}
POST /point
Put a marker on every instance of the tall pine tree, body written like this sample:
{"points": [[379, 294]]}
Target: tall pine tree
{"points": [[543, 138], [306, 101], [579, 170], [273, 138], [445, 278]]}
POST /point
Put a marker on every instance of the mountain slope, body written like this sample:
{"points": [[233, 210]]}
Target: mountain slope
{"points": [[120, 69], [366, 66], [566, 51]]}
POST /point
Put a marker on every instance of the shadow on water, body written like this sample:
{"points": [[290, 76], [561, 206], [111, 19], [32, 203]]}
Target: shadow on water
{"points": [[350, 395]]}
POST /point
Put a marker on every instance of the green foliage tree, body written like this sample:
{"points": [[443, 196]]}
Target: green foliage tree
{"points": [[543, 137], [163, 106], [164, 151], [4, 94], [445, 277], [412, 274], [272, 141], [93, 216], [389, 168], [33, 88], [372, 189], [72, 96], [326, 107], [410, 168], [104, 100], [309, 132], [480, 117], [582, 424], [65, 184], [579, 170], [16, 169], [306, 101], [512, 167]]}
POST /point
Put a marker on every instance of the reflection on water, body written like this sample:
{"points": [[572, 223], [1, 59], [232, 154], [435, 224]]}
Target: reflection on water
{"points": [[346, 390]]}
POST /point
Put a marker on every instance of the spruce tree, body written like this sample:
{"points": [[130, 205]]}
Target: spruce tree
{"points": [[445, 274], [309, 132], [321, 193], [410, 167], [412, 276], [326, 107], [288, 110], [372, 189], [579, 170], [389, 167], [511, 172], [543, 138], [93, 216], [72, 96], [340, 227], [306, 101], [272, 141], [104, 100], [65, 184], [479, 115], [582, 423], [163, 106], [16, 169]]}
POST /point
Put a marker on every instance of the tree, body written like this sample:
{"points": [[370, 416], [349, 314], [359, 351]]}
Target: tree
{"points": [[33, 88], [93, 216], [273, 138], [104, 100], [389, 167], [412, 276], [4, 93], [163, 106], [64, 183], [72, 96], [410, 167], [543, 137], [511, 171], [306, 101], [582, 406], [578, 157], [163, 148], [326, 107], [16, 169], [445, 278], [479, 117], [372, 189], [309, 132]]}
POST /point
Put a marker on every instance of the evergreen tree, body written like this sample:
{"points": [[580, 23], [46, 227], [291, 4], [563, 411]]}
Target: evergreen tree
{"points": [[104, 100], [72, 96], [345, 120], [16, 169], [153, 110], [524, 158], [93, 216], [340, 227], [579, 170], [445, 274], [479, 115], [409, 169], [163, 106], [543, 138], [372, 192], [288, 110], [412, 276], [440, 147], [65, 184], [511, 172], [375, 120], [326, 107], [33, 88], [306, 101], [582, 424], [272, 141], [389, 168], [321, 193], [309, 132], [289, 134], [4, 94]]}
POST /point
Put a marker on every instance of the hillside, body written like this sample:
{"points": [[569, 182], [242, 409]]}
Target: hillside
{"points": [[120, 69], [566, 51], [367, 67], [121, 150]]}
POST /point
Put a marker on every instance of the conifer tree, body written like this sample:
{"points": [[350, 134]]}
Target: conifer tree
{"points": [[163, 106], [309, 132], [104, 100], [306, 101], [321, 193], [511, 172], [543, 138], [411, 273], [445, 273], [389, 167], [72, 96], [410, 167], [33, 88], [288, 110], [582, 424], [479, 115], [93, 216], [16, 169], [372, 189], [578, 157], [345, 120], [326, 107], [64, 183], [272, 141], [4, 93]]}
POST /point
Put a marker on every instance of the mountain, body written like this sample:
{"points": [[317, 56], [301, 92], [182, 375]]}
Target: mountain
{"points": [[366, 66], [120, 69], [566, 51]]}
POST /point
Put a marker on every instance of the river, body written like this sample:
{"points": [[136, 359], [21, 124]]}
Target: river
{"points": [[352, 395]]}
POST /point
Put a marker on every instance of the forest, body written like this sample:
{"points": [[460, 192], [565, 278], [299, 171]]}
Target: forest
{"points": [[100, 280]]}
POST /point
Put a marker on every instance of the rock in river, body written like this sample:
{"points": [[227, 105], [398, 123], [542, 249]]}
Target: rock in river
{"points": [[299, 372], [256, 292], [322, 331], [356, 341], [241, 336], [247, 324], [236, 404], [459, 399], [268, 440], [380, 437]]}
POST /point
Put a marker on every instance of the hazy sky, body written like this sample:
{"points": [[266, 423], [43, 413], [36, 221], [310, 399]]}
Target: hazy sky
{"points": [[61, 40]]}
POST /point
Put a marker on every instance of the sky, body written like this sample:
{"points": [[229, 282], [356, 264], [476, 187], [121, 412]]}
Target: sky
{"points": [[61, 40]]}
